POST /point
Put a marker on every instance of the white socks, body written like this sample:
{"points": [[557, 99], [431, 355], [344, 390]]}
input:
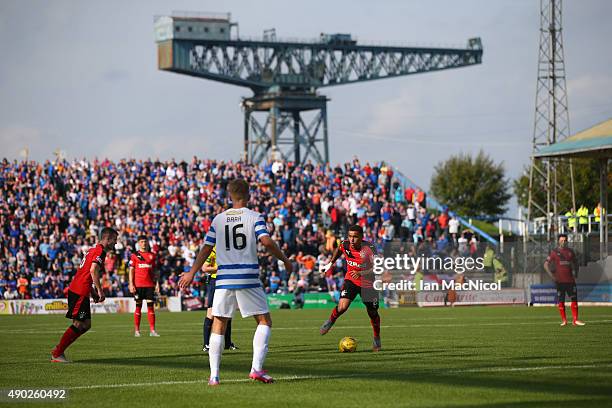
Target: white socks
{"points": [[260, 346], [214, 353]]}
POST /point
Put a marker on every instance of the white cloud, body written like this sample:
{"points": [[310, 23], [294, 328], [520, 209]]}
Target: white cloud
{"points": [[14, 139], [395, 115], [590, 90]]}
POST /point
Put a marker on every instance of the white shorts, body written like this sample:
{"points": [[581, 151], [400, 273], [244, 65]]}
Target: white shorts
{"points": [[251, 302]]}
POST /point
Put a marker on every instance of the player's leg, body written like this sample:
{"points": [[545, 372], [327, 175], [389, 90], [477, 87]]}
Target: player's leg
{"points": [[151, 318], [261, 339], [229, 344], [210, 297], [223, 308], [573, 294], [252, 302], [348, 294], [561, 304], [80, 312], [208, 320], [149, 297], [137, 312], [76, 330], [372, 309], [216, 348]]}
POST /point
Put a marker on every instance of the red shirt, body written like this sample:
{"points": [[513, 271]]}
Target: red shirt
{"points": [[443, 220], [408, 194], [81, 284], [359, 260], [562, 260], [143, 264]]}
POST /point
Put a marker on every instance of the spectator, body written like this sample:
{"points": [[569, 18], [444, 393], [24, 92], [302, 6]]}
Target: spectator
{"points": [[11, 294], [453, 228], [22, 287], [274, 283], [51, 212]]}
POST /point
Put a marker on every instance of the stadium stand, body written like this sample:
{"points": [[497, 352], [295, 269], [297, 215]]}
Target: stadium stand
{"points": [[51, 212]]}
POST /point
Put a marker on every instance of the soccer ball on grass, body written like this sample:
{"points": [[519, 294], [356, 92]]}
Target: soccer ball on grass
{"points": [[347, 345]]}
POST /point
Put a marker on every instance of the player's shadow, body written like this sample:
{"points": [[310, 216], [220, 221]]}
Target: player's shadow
{"points": [[193, 361], [500, 380], [488, 379], [536, 403]]}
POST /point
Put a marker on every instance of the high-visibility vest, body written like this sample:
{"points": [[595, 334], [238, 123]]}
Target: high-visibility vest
{"points": [[571, 219], [597, 212], [583, 215]]}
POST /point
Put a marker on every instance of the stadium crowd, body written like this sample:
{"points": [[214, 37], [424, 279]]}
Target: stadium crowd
{"points": [[51, 212]]}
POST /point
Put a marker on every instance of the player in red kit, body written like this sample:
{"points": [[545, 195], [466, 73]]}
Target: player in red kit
{"points": [[562, 266], [80, 289], [359, 255], [144, 283]]}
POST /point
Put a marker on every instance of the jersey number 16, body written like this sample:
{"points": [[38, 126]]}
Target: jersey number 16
{"points": [[239, 240]]}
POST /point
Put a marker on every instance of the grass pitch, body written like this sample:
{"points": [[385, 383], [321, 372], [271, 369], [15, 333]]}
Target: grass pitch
{"points": [[437, 357]]}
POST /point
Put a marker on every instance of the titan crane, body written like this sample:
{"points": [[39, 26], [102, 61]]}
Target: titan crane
{"points": [[284, 76]]}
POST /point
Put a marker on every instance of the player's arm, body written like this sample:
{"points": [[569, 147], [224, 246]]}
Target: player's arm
{"points": [[273, 249], [369, 271], [156, 279], [575, 266], [131, 273], [548, 269], [95, 275], [187, 277], [332, 262]]}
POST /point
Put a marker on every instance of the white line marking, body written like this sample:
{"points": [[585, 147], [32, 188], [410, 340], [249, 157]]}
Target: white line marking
{"points": [[324, 377], [555, 322]]}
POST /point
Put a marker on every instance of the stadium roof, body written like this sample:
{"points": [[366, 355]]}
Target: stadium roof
{"points": [[595, 142]]}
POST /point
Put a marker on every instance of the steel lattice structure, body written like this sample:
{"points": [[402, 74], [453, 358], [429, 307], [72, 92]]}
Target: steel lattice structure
{"points": [[285, 75], [551, 123]]}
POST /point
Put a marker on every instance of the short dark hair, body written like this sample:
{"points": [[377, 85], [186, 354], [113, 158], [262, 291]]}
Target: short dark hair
{"points": [[238, 188], [141, 237], [562, 236], [356, 228], [108, 232]]}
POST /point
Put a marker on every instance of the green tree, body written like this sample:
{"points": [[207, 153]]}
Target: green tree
{"points": [[471, 186], [586, 185]]}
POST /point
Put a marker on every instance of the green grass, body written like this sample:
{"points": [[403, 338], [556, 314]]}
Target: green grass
{"points": [[466, 356]]}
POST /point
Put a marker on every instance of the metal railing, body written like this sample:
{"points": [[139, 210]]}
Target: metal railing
{"points": [[432, 202]]}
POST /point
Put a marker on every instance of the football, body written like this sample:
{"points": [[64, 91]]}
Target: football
{"points": [[347, 345]]}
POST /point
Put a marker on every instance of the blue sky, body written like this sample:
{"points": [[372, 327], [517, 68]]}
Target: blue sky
{"points": [[82, 77]]}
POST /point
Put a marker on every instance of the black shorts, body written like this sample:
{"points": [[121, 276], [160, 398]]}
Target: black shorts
{"points": [[210, 292], [78, 307], [369, 296], [570, 289], [147, 294]]}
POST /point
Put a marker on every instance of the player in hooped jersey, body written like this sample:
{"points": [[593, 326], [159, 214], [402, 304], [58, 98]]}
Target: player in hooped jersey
{"points": [[144, 283], [359, 255], [80, 289], [236, 232]]}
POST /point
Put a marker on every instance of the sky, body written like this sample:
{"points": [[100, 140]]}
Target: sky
{"points": [[81, 76]]}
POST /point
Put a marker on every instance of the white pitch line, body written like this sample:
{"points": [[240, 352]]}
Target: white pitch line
{"points": [[325, 377], [510, 369], [36, 329], [35, 326], [405, 326], [233, 380]]}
